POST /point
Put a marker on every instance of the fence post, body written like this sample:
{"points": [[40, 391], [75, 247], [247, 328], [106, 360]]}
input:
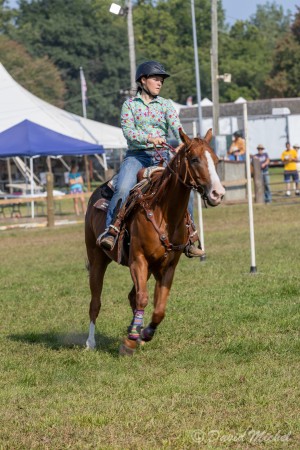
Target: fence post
{"points": [[50, 201], [258, 181]]}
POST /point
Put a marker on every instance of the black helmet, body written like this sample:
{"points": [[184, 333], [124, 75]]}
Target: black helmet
{"points": [[149, 68]]}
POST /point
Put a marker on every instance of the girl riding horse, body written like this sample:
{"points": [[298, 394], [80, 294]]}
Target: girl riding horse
{"points": [[145, 121]]}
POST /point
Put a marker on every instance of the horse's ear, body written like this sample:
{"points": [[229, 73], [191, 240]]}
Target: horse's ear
{"points": [[208, 136], [184, 137]]}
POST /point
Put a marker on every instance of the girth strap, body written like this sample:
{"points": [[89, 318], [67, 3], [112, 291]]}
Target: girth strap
{"points": [[162, 235]]}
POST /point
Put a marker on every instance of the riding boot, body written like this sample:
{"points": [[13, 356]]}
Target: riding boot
{"points": [[191, 251], [108, 239]]}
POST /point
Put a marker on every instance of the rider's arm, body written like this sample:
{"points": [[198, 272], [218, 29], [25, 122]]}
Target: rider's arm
{"points": [[131, 133], [172, 120]]}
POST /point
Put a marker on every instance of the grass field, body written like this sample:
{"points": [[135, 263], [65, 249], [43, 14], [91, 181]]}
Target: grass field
{"points": [[221, 372]]}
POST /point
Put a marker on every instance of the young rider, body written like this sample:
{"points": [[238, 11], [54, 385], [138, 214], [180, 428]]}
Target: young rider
{"points": [[145, 121]]}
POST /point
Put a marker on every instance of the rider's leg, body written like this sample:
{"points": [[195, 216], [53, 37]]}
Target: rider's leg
{"points": [[125, 182]]}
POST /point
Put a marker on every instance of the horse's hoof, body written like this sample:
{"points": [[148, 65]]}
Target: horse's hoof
{"points": [[127, 348], [90, 345]]}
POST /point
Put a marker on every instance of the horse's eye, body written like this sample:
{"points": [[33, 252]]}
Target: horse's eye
{"points": [[195, 160]]}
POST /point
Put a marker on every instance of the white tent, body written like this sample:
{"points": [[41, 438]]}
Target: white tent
{"points": [[18, 104]]}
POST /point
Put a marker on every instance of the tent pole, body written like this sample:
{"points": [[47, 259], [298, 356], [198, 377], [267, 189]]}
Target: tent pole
{"points": [[87, 173], [49, 164], [31, 186], [9, 174]]}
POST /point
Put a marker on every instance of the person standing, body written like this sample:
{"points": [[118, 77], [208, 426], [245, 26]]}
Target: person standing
{"points": [[297, 147], [264, 165], [290, 157], [145, 120], [76, 187]]}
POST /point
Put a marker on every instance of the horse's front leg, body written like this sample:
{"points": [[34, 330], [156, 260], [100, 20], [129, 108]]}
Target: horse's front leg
{"points": [[161, 295], [139, 300]]}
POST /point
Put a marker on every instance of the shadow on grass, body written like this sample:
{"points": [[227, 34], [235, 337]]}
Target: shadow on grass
{"points": [[58, 341]]}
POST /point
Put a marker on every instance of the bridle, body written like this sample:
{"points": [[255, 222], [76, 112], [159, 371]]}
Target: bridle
{"points": [[192, 185]]}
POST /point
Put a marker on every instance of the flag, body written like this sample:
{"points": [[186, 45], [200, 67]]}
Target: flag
{"points": [[83, 87]]}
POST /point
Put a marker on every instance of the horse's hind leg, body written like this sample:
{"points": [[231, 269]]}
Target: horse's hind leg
{"points": [[98, 263]]}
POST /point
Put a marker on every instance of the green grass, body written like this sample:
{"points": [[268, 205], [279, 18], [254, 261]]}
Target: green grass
{"points": [[224, 361]]}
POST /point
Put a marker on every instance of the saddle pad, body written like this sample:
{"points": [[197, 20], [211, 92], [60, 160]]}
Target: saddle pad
{"points": [[102, 204]]}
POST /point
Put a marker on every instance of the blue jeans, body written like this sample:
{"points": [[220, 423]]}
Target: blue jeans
{"points": [[268, 194], [126, 179]]}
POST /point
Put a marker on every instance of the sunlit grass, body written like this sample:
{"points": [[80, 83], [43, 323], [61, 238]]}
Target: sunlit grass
{"points": [[225, 360]]}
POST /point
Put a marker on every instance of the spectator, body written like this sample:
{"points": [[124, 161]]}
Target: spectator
{"points": [[296, 147], [237, 149], [76, 187], [264, 164], [290, 157]]}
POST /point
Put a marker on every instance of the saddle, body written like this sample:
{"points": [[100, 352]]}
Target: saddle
{"points": [[145, 178]]}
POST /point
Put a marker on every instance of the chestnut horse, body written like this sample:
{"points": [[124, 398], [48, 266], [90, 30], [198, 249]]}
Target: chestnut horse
{"points": [[158, 235]]}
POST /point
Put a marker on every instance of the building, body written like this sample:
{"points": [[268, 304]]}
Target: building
{"points": [[271, 122]]}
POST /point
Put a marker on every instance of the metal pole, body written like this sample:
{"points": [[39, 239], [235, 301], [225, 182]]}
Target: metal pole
{"points": [[253, 268], [31, 186], [131, 45], [83, 100], [83, 94], [198, 87], [197, 72], [214, 66]]}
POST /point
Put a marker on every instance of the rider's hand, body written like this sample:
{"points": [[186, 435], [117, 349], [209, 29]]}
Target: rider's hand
{"points": [[156, 140]]}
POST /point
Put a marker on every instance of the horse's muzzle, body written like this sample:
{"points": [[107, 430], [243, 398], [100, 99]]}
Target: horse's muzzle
{"points": [[215, 196]]}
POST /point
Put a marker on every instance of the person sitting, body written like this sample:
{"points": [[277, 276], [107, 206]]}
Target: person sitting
{"points": [[237, 149], [145, 121]]}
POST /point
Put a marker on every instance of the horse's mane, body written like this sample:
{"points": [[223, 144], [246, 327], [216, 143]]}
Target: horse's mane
{"points": [[160, 180]]}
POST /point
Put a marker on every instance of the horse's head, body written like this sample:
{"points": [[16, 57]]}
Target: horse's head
{"points": [[201, 173]]}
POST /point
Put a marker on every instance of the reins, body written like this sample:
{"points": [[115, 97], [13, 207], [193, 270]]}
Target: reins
{"points": [[193, 185]]}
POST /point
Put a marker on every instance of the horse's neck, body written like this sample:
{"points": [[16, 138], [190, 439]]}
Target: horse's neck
{"points": [[174, 203]]}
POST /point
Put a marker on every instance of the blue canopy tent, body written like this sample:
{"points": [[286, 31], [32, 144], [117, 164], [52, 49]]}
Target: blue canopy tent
{"points": [[29, 139]]}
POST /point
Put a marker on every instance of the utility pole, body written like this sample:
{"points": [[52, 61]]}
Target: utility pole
{"points": [[214, 66], [197, 71], [131, 45]]}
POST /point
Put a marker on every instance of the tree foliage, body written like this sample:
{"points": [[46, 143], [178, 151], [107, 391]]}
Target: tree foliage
{"points": [[31, 73], [284, 79], [247, 52], [69, 34]]}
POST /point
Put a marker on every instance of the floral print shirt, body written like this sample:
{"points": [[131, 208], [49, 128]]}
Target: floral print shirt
{"points": [[140, 119]]}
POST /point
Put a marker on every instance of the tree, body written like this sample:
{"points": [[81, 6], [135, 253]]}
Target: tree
{"points": [[74, 33], [284, 79], [164, 31], [39, 75], [247, 52]]}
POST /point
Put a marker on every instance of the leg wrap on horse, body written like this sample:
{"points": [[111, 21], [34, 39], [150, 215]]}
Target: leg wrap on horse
{"points": [[136, 325], [148, 332]]}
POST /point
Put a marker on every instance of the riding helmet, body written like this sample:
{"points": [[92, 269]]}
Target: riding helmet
{"points": [[150, 68]]}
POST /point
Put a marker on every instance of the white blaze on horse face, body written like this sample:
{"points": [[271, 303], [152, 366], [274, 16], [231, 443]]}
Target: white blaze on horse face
{"points": [[216, 191]]}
